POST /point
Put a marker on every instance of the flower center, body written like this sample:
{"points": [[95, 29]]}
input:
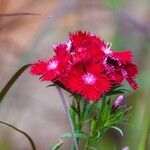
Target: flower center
{"points": [[53, 64], [107, 49], [89, 78]]}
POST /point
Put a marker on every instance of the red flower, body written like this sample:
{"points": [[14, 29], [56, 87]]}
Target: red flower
{"points": [[119, 66], [119, 71], [55, 67], [129, 71], [50, 70], [89, 81], [124, 56], [62, 50], [86, 65], [85, 46]]}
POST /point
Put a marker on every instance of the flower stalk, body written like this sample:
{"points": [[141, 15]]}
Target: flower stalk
{"points": [[66, 109], [143, 141], [22, 132]]}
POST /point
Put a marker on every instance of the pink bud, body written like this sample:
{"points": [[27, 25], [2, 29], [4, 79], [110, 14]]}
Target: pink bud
{"points": [[119, 101], [125, 148]]}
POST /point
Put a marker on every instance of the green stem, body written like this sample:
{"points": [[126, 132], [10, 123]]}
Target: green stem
{"points": [[87, 144], [79, 114], [86, 147], [12, 81], [66, 109], [22, 132], [78, 124], [145, 129]]}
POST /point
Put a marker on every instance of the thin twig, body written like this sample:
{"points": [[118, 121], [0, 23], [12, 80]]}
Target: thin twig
{"points": [[22, 132], [13, 79], [66, 109], [18, 14]]}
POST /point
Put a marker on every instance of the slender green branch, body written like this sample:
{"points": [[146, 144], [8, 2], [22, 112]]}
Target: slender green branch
{"points": [[66, 109], [22, 132], [12, 81], [145, 129]]}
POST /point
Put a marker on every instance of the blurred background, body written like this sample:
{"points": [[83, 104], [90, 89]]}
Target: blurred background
{"points": [[37, 110]]}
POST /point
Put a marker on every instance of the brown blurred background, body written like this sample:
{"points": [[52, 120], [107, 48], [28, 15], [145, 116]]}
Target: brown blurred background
{"points": [[31, 106]]}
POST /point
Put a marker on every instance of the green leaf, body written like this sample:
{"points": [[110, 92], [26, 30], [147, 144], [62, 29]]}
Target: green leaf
{"points": [[74, 109], [73, 115], [22, 132], [118, 116], [92, 148], [98, 135], [105, 114], [58, 145], [115, 92], [77, 134], [118, 129], [103, 101], [12, 81], [116, 87], [99, 106], [87, 108]]}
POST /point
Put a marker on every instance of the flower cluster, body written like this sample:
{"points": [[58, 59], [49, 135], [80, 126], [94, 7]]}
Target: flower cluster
{"points": [[86, 65]]}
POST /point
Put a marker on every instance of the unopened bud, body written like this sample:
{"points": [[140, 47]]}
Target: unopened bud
{"points": [[119, 101], [126, 148]]}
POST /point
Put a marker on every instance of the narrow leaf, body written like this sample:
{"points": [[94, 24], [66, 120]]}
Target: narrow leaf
{"points": [[115, 92], [58, 145], [74, 109], [92, 148], [78, 134], [118, 129], [98, 135], [22, 132], [12, 81]]}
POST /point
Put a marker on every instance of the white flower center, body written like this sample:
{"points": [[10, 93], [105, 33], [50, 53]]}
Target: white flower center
{"points": [[107, 49], [53, 64], [89, 78]]}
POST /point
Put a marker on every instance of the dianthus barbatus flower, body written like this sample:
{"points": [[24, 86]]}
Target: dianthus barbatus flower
{"points": [[85, 46], [86, 65], [119, 66], [54, 68], [88, 80]]}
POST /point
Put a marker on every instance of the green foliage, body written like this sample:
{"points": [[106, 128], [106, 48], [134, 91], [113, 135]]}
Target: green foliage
{"points": [[57, 146], [77, 134], [99, 116], [117, 90]]}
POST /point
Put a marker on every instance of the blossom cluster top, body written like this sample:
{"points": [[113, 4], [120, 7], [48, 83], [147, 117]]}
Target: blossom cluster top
{"points": [[87, 65]]}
